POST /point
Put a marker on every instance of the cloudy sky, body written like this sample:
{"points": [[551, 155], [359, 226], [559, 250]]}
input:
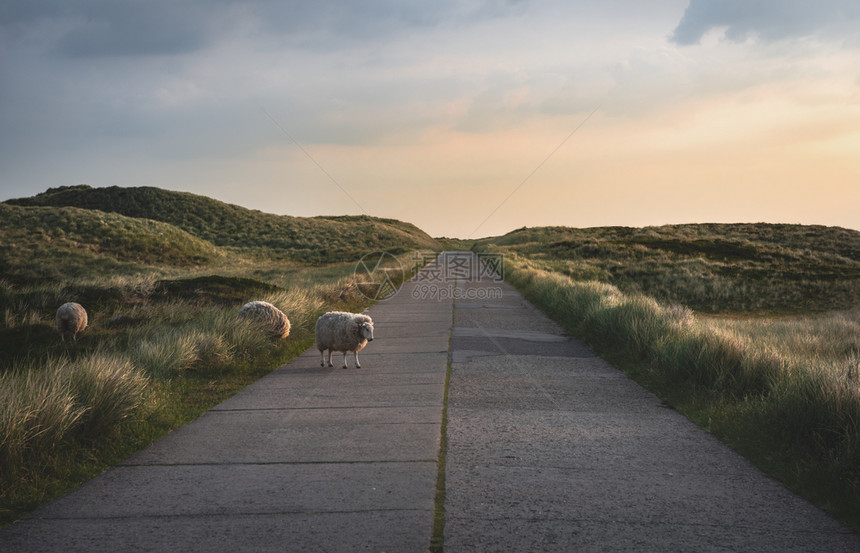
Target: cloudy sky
{"points": [[467, 118]]}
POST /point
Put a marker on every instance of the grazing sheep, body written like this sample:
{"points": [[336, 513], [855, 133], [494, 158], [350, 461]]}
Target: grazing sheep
{"points": [[341, 331], [71, 318], [267, 314]]}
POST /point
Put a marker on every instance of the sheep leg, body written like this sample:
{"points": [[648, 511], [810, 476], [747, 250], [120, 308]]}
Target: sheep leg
{"points": [[330, 364], [322, 358], [344, 359], [357, 364]]}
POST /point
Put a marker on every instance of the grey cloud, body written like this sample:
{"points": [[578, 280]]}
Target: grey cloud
{"points": [[99, 28], [134, 30], [18, 12], [330, 25], [769, 20]]}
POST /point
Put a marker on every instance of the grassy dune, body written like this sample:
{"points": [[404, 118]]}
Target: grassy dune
{"points": [[740, 268], [778, 383], [46, 243], [163, 343], [307, 239]]}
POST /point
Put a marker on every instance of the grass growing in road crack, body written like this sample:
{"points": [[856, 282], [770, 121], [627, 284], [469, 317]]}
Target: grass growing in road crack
{"points": [[437, 540]]}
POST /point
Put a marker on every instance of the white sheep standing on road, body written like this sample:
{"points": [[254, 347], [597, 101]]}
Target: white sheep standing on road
{"points": [[342, 331], [71, 319]]}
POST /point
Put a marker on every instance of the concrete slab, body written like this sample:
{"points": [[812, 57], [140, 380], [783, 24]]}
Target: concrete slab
{"points": [[400, 328], [525, 393], [507, 297], [465, 308], [518, 346], [547, 367], [510, 334], [412, 309], [474, 315], [301, 436], [418, 344], [404, 318], [336, 378], [540, 382], [588, 442], [385, 360], [254, 488], [684, 499], [339, 394], [314, 532], [566, 534]]}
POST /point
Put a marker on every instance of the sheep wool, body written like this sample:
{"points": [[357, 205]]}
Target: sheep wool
{"points": [[71, 319], [268, 315], [345, 332]]}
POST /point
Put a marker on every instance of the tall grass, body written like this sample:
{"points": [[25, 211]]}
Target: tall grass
{"points": [[817, 393], [46, 407], [109, 388], [785, 392], [36, 413], [708, 267], [834, 335], [210, 337]]}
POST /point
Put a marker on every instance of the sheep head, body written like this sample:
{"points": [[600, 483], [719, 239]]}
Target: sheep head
{"points": [[367, 331]]}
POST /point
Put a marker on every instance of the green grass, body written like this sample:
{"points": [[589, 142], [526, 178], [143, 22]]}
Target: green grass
{"points": [[53, 243], [783, 391], [46, 409], [251, 232], [741, 268]]}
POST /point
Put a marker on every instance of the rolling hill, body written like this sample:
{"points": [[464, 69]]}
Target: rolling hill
{"points": [[708, 267], [53, 243], [305, 239]]}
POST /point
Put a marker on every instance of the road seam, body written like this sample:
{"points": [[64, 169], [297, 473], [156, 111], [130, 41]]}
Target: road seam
{"points": [[437, 539]]}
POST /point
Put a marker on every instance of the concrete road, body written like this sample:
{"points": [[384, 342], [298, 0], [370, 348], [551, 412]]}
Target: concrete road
{"points": [[549, 449]]}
